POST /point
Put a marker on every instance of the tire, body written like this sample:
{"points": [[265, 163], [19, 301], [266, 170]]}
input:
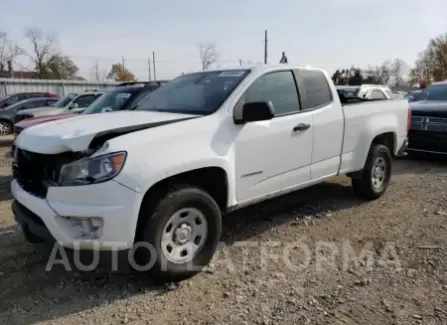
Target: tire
{"points": [[175, 215], [6, 127], [376, 174]]}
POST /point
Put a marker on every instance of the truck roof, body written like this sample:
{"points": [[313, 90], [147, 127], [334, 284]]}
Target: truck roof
{"points": [[264, 67]]}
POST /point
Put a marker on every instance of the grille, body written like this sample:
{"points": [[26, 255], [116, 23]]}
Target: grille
{"points": [[428, 123], [417, 123], [36, 172]]}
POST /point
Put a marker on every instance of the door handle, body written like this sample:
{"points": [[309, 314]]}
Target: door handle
{"points": [[301, 127]]}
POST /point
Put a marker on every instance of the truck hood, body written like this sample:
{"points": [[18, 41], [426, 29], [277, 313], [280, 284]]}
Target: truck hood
{"points": [[41, 119], [429, 108], [76, 134]]}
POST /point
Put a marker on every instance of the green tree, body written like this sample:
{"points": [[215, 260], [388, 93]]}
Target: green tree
{"points": [[118, 72]]}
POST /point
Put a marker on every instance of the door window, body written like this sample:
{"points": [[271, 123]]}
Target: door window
{"points": [[84, 101], [316, 88], [12, 100], [277, 87], [33, 104]]}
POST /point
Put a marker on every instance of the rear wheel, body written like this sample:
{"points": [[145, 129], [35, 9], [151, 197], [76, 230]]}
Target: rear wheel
{"points": [[183, 230], [5, 127], [376, 174]]}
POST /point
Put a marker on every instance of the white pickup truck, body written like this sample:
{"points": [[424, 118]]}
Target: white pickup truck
{"points": [[204, 144]]}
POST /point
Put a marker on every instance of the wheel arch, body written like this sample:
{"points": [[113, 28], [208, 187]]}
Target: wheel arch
{"points": [[213, 180]]}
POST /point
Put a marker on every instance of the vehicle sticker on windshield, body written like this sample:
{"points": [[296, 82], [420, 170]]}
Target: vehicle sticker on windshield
{"points": [[232, 74]]}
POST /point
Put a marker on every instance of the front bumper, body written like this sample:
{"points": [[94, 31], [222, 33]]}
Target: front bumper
{"points": [[428, 142], [31, 224], [57, 216]]}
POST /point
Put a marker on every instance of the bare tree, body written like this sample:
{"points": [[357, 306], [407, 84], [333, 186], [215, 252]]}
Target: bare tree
{"points": [[97, 74], [422, 74], [385, 73], [437, 54], [44, 50], [8, 51], [399, 70], [208, 55]]}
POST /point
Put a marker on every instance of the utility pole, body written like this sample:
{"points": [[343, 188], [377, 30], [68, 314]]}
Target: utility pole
{"points": [[122, 58], [149, 67], [265, 48], [153, 62]]}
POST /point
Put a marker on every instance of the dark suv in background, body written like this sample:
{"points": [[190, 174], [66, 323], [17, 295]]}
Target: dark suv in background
{"points": [[15, 98], [428, 132]]}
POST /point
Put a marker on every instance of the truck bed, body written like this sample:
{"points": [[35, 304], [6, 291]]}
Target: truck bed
{"points": [[371, 117]]}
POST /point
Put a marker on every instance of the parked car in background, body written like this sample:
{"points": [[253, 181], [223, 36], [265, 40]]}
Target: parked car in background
{"points": [[428, 132], [412, 94], [124, 96], [367, 91], [375, 92], [72, 103], [348, 91], [7, 115], [12, 99], [399, 94], [204, 144]]}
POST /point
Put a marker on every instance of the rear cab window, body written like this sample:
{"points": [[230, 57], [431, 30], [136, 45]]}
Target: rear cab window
{"points": [[316, 89]]}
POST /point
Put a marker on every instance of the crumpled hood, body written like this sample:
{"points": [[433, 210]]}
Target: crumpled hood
{"points": [[76, 134]]}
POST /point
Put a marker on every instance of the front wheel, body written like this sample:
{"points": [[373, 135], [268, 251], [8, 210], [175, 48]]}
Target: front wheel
{"points": [[5, 128], [183, 231], [376, 174]]}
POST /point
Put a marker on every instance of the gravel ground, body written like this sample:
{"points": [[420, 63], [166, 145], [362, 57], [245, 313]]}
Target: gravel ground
{"points": [[317, 256]]}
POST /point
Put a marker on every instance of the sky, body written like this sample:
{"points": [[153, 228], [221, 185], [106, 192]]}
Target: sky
{"points": [[328, 34]]}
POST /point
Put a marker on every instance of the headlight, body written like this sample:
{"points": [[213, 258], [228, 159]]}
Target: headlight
{"points": [[92, 170]]}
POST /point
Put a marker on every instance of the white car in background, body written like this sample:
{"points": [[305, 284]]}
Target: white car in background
{"points": [[71, 103], [367, 91]]}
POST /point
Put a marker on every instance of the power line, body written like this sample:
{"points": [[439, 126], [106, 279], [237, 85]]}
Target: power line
{"points": [[117, 59]]}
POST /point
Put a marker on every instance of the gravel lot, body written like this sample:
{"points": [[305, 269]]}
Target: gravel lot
{"points": [[402, 278]]}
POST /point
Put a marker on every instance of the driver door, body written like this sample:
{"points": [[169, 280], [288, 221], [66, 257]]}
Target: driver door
{"points": [[273, 155]]}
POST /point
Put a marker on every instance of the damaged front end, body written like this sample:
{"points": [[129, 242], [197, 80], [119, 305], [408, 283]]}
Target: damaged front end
{"points": [[77, 156], [36, 172]]}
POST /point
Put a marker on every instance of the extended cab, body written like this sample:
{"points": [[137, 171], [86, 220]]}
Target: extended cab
{"points": [[202, 145]]}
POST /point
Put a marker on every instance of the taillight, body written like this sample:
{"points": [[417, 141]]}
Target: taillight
{"points": [[409, 119], [52, 95]]}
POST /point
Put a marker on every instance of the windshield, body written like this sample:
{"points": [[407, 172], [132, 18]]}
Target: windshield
{"points": [[18, 104], [196, 93], [64, 101], [110, 101], [433, 92]]}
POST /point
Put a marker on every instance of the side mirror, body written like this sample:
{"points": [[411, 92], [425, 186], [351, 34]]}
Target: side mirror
{"points": [[255, 111], [74, 105]]}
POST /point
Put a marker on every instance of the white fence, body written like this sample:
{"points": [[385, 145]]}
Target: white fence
{"points": [[59, 87]]}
